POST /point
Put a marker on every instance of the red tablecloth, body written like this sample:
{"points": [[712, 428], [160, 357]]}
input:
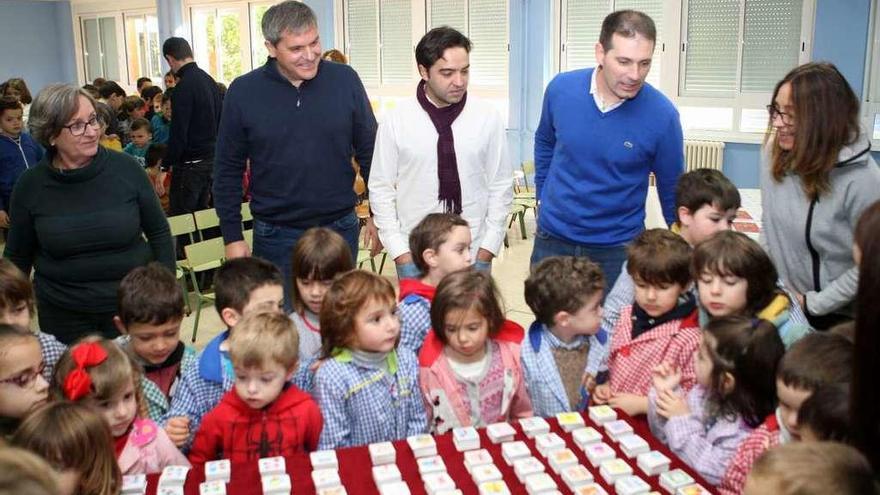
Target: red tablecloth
{"points": [[355, 466]]}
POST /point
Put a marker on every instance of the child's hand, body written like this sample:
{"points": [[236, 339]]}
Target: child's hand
{"points": [[589, 382], [632, 404], [178, 430], [665, 377], [671, 404], [602, 394], [4, 219]]}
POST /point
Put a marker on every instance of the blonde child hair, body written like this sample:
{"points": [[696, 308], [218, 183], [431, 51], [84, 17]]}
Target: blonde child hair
{"points": [[262, 337], [812, 468], [73, 437], [23, 473]]}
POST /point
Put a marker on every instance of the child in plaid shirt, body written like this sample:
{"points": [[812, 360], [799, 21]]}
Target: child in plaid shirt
{"points": [[150, 305], [659, 328], [817, 360], [241, 286], [17, 308], [319, 255], [735, 276], [366, 387], [440, 244], [565, 293], [735, 391]]}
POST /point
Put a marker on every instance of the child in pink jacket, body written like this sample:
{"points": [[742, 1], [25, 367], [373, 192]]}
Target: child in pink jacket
{"points": [[469, 365]]}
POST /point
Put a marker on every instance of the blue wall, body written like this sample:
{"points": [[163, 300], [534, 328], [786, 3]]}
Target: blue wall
{"points": [[36, 43]]}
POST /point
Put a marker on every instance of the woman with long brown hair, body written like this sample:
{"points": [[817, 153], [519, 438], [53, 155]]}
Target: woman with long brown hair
{"points": [[817, 178]]}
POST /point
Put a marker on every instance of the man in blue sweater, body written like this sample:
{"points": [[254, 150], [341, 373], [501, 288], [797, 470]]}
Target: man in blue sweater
{"points": [[602, 131], [299, 120]]}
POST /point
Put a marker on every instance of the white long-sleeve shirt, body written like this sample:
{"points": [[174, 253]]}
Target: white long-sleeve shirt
{"points": [[403, 178]]}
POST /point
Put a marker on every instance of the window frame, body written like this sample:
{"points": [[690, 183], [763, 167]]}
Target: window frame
{"points": [[675, 35], [870, 106]]}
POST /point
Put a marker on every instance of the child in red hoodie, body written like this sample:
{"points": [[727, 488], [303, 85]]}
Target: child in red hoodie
{"points": [[263, 415], [440, 244]]}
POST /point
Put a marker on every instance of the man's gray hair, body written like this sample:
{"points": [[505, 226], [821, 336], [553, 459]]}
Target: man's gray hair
{"points": [[53, 107], [291, 16]]}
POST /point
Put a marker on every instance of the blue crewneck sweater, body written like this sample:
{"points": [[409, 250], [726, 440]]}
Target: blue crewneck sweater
{"points": [[16, 156], [591, 169], [299, 141]]}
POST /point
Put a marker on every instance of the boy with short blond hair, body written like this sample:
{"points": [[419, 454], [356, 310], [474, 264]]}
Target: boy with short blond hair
{"points": [[816, 360], [264, 352], [440, 244], [241, 286], [814, 468], [660, 327], [565, 293], [150, 312]]}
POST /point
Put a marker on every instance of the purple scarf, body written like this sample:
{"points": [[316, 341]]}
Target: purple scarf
{"points": [[447, 166]]}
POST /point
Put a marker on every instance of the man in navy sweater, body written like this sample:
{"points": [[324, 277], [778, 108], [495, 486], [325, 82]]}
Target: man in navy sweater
{"points": [[602, 131], [299, 120]]}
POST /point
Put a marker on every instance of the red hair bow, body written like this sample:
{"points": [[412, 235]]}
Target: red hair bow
{"points": [[78, 382]]}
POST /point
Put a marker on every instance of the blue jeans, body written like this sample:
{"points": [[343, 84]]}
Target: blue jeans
{"points": [[275, 243], [409, 270], [609, 258]]}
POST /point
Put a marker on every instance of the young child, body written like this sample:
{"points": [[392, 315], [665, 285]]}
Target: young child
{"points": [[109, 141], [825, 416], [659, 328], [815, 360], [18, 152], [565, 293], [263, 416], [367, 389], [440, 244], [133, 108], [100, 374], [735, 276], [141, 133], [161, 120], [17, 307], [76, 441], [25, 473], [705, 203], [815, 468], [152, 95], [320, 255], [22, 386], [241, 286], [160, 180], [469, 367], [150, 305], [735, 367]]}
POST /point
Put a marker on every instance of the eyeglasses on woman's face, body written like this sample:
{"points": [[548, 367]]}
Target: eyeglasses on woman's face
{"points": [[78, 128]]}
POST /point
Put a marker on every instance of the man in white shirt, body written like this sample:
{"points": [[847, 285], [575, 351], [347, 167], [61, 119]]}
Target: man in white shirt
{"points": [[441, 151]]}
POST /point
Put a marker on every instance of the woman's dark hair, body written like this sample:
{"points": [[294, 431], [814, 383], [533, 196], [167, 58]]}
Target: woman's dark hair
{"points": [[866, 369], [750, 350], [826, 118], [432, 45]]}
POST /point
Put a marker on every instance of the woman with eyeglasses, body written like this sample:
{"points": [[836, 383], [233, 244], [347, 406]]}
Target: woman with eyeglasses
{"points": [[82, 218], [817, 178]]}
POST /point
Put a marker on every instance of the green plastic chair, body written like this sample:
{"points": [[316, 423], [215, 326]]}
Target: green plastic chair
{"points": [[206, 219], [201, 257], [183, 225], [246, 215], [249, 238]]}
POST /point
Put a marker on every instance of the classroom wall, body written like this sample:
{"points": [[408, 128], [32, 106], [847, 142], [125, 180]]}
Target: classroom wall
{"points": [[37, 42]]}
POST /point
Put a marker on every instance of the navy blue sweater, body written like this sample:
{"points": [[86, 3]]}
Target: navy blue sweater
{"points": [[299, 141], [16, 156]]}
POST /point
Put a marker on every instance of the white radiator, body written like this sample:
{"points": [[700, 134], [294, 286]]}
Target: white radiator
{"points": [[703, 154]]}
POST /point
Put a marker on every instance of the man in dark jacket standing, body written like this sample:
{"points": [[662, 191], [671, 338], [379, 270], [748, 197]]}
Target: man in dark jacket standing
{"points": [[299, 120], [195, 106]]}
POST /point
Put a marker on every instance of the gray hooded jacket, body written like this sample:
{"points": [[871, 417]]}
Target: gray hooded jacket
{"points": [[811, 241]]}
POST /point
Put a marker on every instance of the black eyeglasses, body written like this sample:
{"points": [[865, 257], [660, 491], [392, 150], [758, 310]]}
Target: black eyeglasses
{"points": [[26, 378], [78, 128], [774, 111]]}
